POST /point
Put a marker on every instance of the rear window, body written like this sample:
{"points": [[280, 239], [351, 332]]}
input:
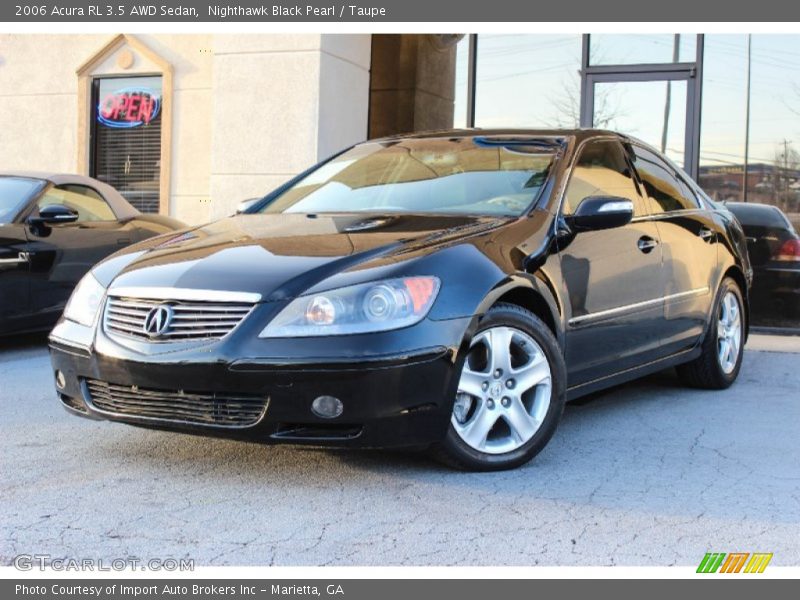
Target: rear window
{"points": [[759, 215], [15, 192]]}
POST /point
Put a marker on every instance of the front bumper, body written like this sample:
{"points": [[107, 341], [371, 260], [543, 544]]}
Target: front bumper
{"points": [[397, 388]]}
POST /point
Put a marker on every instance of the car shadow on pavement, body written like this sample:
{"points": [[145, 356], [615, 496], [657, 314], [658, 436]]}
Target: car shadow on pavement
{"points": [[23, 341]]}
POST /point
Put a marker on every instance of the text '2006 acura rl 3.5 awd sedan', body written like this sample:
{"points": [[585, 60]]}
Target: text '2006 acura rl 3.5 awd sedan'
{"points": [[447, 290]]}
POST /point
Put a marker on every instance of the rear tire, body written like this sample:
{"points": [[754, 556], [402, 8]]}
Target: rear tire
{"points": [[721, 359], [510, 396]]}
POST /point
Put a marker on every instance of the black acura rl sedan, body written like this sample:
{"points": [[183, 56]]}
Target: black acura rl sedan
{"points": [[448, 290]]}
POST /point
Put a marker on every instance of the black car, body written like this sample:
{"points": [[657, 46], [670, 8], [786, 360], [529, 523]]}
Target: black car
{"points": [[774, 248], [53, 228], [448, 290]]}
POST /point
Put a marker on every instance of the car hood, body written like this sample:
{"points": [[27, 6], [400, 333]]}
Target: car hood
{"points": [[282, 255]]}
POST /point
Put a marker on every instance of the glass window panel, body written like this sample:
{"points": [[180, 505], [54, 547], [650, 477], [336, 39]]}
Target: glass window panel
{"points": [[15, 193], [127, 138], [528, 81], [665, 191], [462, 81], [723, 116], [773, 174], [89, 208], [652, 111], [608, 49], [601, 170]]}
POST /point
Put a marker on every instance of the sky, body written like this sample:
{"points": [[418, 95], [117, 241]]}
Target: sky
{"points": [[534, 81]]}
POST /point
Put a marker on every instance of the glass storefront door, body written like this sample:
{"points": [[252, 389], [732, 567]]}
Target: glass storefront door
{"points": [[126, 137], [653, 107]]}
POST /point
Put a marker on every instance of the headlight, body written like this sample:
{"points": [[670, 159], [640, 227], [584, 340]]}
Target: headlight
{"points": [[364, 308], [85, 302]]}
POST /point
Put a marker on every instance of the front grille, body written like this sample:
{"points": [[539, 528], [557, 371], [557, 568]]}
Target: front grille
{"points": [[190, 407], [191, 320]]}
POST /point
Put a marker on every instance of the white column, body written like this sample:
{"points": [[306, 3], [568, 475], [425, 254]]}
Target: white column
{"points": [[280, 102]]}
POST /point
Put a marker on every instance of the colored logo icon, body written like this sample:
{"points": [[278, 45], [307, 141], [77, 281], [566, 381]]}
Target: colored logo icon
{"points": [[734, 562]]}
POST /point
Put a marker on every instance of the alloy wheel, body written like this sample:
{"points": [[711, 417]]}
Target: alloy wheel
{"points": [[729, 332], [504, 391]]}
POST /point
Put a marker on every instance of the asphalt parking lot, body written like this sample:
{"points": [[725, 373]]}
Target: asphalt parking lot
{"points": [[646, 474]]}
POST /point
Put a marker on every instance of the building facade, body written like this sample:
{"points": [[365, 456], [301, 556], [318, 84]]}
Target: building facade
{"points": [[186, 125], [190, 125], [726, 107]]}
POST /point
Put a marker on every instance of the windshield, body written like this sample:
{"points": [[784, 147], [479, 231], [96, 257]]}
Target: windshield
{"points": [[14, 194], [443, 175]]}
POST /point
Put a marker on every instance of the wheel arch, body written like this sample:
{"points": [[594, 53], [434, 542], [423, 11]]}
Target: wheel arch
{"points": [[531, 294], [735, 273]]}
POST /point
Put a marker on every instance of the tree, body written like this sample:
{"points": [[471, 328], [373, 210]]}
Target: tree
{"points": [[568, 107]]}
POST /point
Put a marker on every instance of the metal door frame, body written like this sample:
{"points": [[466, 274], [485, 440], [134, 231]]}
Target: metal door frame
{"points": [[690, 72]]}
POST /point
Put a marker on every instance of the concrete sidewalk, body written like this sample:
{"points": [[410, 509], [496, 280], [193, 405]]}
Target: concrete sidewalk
{"points": [[774, 343]]}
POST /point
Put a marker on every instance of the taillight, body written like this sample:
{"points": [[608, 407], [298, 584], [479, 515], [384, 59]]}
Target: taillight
{"points": [[790, 250]]}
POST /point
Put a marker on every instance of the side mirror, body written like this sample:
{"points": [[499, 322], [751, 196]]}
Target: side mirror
{"points": [[245, 204], [601, 212], [53, 214]]}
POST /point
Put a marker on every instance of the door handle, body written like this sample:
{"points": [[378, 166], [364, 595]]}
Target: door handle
{"points": [[705, 234], [646, 244], [22, 257]]}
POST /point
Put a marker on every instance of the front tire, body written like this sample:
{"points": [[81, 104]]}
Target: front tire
{"points": [[510, 394], [723, 347]]}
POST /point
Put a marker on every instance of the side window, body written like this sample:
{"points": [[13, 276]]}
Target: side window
{"points": [[667, 192], [688, 192], [601, 170], [89, 205]]}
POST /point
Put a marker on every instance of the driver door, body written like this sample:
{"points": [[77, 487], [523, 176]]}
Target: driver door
{"points": [[14, 276], [611, 277], [63, 253]]}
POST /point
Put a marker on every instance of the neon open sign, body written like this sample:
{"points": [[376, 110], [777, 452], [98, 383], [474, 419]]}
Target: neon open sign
{"points": [[128, 107]]}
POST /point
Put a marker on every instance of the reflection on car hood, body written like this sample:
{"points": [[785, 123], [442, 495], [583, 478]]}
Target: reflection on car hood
{"points": [[282, 255]]}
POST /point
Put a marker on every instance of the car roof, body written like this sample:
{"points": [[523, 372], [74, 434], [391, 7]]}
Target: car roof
{"points": [[122, 209]]}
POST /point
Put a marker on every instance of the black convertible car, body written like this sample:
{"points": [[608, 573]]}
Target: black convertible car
{"points": [[53, 228], [448, 290]]}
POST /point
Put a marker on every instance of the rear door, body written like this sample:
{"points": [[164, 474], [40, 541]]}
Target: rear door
{"points": [[62, 254], [612, 277], [689, 235]]}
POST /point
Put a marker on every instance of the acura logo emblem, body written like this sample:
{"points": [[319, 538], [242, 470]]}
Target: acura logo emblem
{"points": [[157, 321]]}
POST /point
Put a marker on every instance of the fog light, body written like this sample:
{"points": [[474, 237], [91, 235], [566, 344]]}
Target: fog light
{"points": [[327, 407], [61, 381]]}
